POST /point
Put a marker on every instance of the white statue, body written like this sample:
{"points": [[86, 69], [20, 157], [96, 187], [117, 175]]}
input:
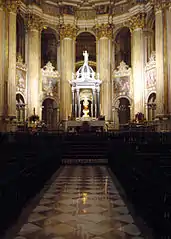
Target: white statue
{"points": [[85, 54]]}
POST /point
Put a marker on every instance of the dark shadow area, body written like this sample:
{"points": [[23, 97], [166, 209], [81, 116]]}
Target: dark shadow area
{"points": [[139, 160]]}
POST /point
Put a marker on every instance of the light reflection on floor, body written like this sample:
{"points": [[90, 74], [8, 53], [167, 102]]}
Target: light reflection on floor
{"points": [[82, 203]]}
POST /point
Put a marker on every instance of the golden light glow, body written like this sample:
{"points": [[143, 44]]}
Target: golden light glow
{"points": [[84, 198]]}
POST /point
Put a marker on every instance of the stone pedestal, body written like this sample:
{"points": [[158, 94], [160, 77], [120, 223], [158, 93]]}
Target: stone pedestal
{"points": [[104, 35], [67, 35], [33, 62]]}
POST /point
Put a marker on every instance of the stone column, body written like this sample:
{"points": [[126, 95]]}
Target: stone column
{"points": [[169, 56], [33, 62], [11, 11], [73, 103], [67, 36], [2, 27], [138, 61], [98, 104], [161, 61], [104, 36], [94, 103], [78, 103]]}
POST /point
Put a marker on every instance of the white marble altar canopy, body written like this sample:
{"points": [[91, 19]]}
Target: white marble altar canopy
{"points": [[85, 77]]}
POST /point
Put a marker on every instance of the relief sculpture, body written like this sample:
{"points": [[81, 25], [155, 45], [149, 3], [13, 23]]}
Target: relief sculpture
{"points": [[121, 84]]}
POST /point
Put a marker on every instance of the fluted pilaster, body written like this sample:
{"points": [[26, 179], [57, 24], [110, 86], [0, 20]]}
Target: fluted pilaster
{"points": [[138, 60], [67, 37], [104, 36], [34, 25]]}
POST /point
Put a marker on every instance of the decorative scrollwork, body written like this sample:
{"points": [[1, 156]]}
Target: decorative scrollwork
{"points": [[68, 31], [104, 30], [137, 21], [34, 22]]}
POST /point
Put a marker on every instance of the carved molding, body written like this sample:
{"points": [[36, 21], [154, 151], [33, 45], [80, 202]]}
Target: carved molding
{"points": [[68, 31], [137, 21], [104, 30]]}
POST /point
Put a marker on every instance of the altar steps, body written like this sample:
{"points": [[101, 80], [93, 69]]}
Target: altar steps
{"points": [[84, 150]]}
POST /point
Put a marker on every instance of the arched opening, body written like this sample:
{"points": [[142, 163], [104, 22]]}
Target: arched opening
{"points": [[49, 113], [86, 42], [20, 35], [123, 47], [151, 105], [124, 111], [48, 47], [20, 108]]}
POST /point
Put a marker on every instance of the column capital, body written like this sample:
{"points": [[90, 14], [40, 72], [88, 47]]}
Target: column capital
{"points": [[137, 21], [67, 31], [2, 4], [159, 5], [104, 30], [12, 5], [34, 22]]}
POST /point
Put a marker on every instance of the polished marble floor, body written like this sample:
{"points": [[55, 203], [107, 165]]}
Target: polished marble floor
{"points": [[81, 203]]}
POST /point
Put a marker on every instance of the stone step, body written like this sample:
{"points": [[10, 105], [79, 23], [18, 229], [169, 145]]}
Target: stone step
{"points": [[85, 161], [83, 156]]}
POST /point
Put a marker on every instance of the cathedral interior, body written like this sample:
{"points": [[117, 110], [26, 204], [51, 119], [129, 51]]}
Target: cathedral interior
{"points": [[85, 91]]}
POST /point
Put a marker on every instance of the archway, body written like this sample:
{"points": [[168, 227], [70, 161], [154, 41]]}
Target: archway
{"points": [[20, 108], [48, 47], [49, 113], [123, 47], [86, 41], [124, 111], [151, 105]]}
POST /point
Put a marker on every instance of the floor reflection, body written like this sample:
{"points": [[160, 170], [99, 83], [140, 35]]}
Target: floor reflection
{"points": [[82, 203]]}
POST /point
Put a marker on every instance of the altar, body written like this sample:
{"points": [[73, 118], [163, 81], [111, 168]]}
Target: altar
{"points": [[85, 86], [93, 125]]}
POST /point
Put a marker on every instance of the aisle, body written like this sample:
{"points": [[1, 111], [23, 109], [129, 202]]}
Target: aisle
{"points": [[82, 203]]}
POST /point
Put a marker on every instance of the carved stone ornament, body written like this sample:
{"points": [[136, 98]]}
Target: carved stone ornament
{"points": [[13, 5], [150, 71], [160, 4], [50, 77], [2, 4], [68, 31], [137, 21], [122, 70], [20, 64], [104, 30], [34, 22]]}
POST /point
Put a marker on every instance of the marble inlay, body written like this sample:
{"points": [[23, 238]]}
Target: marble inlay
{"points": [[82, 203]]}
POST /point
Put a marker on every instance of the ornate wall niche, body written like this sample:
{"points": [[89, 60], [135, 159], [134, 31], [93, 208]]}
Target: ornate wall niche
{"points": [[150, 75], [121, 83], [50, 82], [150, 71], [21, 71]]}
